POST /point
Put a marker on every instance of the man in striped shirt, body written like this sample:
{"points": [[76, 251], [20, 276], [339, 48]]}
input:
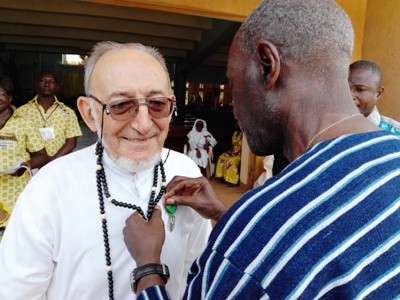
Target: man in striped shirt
{"points": [[326, 227]]}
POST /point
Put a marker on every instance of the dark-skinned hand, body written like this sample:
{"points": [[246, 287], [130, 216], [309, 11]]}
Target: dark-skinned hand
{"points": [[20, 171], [150, 234], [196, 193]]}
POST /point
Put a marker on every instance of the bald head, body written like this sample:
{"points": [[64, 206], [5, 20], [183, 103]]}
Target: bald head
{"points": [[102, 48], [127, 75]]}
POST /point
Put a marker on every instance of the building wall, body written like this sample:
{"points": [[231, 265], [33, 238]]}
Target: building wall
{"points": [[356, 10], [382, 46]]}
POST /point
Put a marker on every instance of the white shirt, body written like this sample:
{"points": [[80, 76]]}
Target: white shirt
{"points": [[53, 246], [376, 118]]}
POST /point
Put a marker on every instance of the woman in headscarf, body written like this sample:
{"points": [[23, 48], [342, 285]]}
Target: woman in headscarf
{"points": [[229, 162], [200, 140]]}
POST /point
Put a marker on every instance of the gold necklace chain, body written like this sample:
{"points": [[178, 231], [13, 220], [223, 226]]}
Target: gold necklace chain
{"points": [[329, 127]]}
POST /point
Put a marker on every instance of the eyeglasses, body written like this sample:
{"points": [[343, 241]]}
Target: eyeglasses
{"points": [[125, 109]]}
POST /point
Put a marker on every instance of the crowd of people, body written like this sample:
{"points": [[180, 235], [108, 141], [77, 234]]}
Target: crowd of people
{"points": [[326, 226]]}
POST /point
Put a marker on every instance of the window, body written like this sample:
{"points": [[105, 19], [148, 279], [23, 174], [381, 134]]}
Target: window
{"points": [[73, 59]]}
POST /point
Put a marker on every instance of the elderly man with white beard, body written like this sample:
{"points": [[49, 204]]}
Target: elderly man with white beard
{"points": [[64, 239]]}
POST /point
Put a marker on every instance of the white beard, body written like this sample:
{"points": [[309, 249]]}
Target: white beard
{"points": [[126, 164], [137, 166]]}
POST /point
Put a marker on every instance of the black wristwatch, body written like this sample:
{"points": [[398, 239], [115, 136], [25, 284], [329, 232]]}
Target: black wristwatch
{"points": [[160, 269]]}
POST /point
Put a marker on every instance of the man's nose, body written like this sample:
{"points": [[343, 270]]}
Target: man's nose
{"points": [[143, 121], [356, 101]]}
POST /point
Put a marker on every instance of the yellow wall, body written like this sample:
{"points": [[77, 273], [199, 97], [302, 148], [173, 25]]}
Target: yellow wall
{"points": [[382, 46], [356, 10]]}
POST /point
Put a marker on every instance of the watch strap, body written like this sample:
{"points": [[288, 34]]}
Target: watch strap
{"points": [[148, 269]]}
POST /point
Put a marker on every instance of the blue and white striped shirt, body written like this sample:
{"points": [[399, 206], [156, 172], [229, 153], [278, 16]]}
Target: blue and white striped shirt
{"points": [[327, 227]]}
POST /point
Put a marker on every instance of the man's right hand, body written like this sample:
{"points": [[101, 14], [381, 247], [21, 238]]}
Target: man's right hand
{"points": [[196, 193], [150, 234]]}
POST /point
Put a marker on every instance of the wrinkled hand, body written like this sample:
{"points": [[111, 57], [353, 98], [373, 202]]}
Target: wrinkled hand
{"points": [[196, 193], [144, 239]]}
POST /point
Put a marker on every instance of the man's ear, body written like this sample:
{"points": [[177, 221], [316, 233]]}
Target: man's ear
{"points": [[85, 109], [173, 98], [380, 92], [270, 63]]}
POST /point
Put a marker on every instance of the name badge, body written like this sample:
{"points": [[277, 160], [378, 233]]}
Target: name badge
{"points": [[8, 140], [47, 133]]}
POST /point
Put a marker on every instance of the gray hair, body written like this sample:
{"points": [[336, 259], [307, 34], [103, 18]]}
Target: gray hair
{"points": [[306, 31], [368, 65], [102, 48]]}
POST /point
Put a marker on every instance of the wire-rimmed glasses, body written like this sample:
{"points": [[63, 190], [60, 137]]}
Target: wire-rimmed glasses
{"points": [[122, 110]]}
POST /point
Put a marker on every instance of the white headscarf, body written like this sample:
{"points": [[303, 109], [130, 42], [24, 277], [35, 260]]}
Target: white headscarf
{"points": [[199, 138]]}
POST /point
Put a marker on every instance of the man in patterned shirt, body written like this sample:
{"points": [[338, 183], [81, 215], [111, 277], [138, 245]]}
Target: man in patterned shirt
{"points": [[328, 225], [56, 121], [21, 148]]}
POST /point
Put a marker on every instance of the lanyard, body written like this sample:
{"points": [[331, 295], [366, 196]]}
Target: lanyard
{"points": [[43, 117]]}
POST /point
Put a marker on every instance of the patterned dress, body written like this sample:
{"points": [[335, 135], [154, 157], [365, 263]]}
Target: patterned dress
{"points": [[229, 162]]}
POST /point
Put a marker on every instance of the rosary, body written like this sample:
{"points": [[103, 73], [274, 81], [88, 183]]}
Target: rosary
{"points": [[102, 190]]}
